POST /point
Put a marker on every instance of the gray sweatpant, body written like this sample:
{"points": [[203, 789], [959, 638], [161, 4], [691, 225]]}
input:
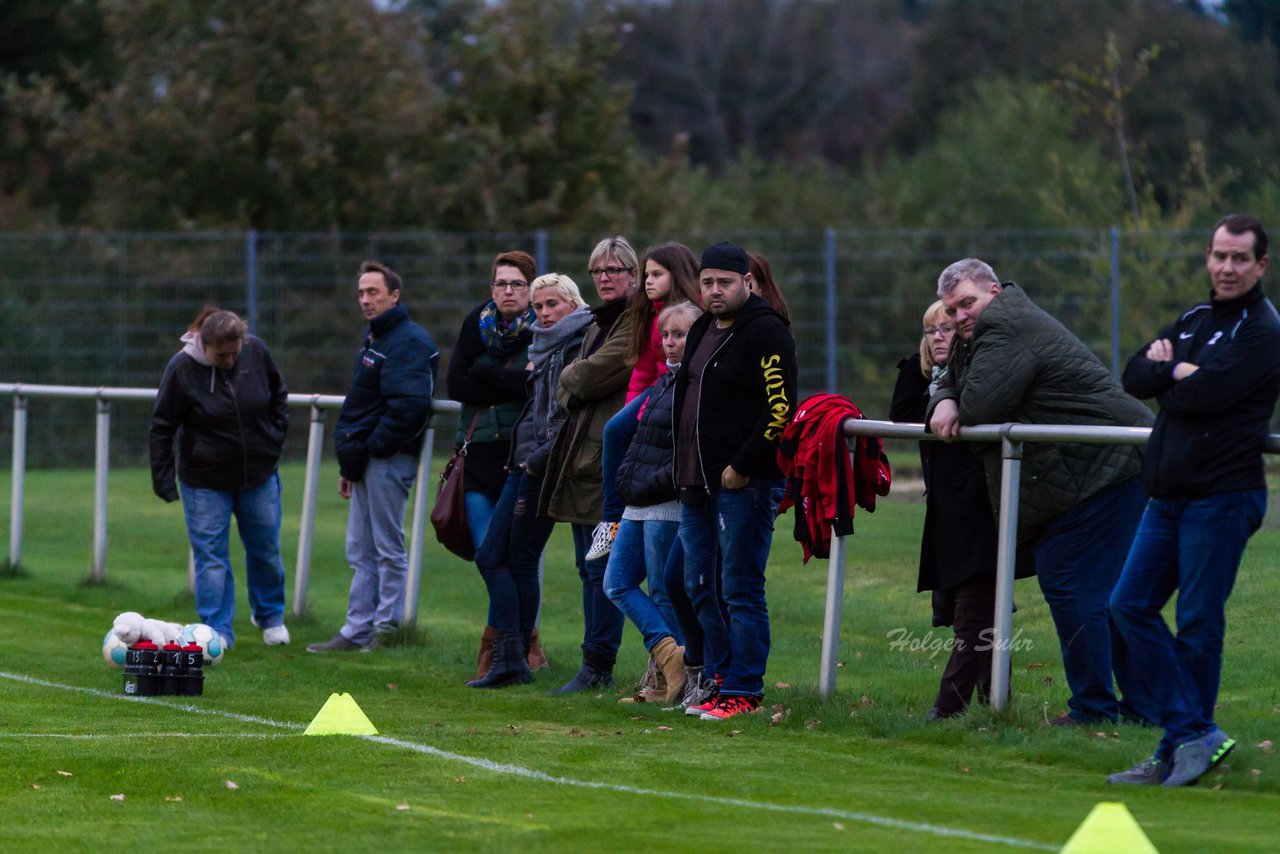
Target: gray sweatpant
{"points": [[375, 548]]}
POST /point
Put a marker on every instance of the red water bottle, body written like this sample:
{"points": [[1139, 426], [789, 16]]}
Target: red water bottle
{"points": [[173, 682], [193, 660]]}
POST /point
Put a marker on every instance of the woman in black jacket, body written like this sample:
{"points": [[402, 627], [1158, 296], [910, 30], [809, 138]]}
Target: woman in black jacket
{"points": [[487, 375], [958, 547], [226, 404]]}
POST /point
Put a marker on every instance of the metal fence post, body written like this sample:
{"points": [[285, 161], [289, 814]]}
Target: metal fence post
{"points": [[831, 620], [1006, 562], [17, 488], [251, 280], [307, 524], [830, 276], [101, 462], [417, 532], [1115, 302], [540, 250]]}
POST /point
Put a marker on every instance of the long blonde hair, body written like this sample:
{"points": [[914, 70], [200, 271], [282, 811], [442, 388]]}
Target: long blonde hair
{"points": [[934, 315]]}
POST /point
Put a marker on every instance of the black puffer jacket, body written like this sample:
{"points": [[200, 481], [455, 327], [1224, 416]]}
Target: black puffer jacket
{"points": [[1209, 435], [389, 402], [230, 425], [1023, 365], [647, 475]]}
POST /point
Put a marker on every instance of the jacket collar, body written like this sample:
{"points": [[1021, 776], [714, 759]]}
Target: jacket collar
{"points": [[1249, 298], [388, 320]]}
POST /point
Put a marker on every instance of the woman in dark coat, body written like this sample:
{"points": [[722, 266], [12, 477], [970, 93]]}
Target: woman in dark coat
{"points": [[958, 548], [487, 375]]}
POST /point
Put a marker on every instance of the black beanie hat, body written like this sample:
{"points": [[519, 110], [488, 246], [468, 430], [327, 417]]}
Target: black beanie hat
{"points": [[725, 256]]}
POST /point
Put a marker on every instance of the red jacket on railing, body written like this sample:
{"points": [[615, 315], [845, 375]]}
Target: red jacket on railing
{"points": [[822, 480]]}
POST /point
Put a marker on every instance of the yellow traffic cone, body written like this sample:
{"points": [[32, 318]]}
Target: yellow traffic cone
{"points": [[1109, 828], [340, 715]]}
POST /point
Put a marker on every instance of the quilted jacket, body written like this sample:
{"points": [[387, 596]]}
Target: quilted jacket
{"points": [[1022, 365]]}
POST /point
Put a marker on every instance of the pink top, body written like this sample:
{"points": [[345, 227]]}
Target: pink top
{"points": [[652, 362]]}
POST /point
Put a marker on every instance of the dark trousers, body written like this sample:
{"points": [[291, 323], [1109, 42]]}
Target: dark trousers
{"points": [[601, 620], [508, 557], [969, 667]]}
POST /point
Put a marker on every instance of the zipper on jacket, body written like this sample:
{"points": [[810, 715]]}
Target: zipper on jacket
{"points": [[244, 447], [697, 416]]}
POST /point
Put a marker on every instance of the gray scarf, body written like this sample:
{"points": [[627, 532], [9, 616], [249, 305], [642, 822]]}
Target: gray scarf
{"points": [[547, 340]]}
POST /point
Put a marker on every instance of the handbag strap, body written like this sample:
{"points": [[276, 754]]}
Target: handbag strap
{"points": [[466, 440]]}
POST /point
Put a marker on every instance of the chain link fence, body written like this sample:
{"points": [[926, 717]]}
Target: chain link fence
{"points": [[83, 308]]}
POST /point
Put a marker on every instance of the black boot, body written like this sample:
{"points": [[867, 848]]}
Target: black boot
{"points": [[509, 664], [595, 673]]}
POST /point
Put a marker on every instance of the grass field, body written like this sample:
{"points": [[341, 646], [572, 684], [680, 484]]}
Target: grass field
{"points": [[456, 768]]}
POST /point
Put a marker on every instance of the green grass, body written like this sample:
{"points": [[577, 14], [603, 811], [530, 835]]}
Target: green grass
{"points": [[819, 779]]}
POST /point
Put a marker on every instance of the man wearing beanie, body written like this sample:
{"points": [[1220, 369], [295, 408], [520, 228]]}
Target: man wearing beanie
{"points": [[733, 398]]}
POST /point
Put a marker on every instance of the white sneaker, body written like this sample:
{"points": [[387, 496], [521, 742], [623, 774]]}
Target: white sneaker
{"points": [[276, 635], [602, 540]]}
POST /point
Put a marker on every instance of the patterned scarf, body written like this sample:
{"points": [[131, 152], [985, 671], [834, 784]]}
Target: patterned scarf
{"points": [[502, 337]]}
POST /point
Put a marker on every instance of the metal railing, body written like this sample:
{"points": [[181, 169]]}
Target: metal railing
{"points": [[1011, 438], [318, 405]]}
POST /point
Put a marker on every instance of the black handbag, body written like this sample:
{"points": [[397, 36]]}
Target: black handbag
{"points": [[449, 515]]}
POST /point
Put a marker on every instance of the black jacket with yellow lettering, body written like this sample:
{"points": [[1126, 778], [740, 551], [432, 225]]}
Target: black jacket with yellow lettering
{"points": [[748, 393]]}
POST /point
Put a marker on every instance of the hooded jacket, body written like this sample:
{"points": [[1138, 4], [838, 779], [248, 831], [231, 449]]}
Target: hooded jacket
{"points": [[230, 425], [389, 402], [540, 421], [647, 474], [1022, 365], [1212, 425], [748, 392]]}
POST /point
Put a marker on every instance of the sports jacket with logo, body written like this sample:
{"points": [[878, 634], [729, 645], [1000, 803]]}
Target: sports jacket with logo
{"points": [[1209, 434]]}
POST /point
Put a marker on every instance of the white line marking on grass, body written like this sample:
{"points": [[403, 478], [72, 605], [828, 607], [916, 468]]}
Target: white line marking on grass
{"points": [[542, 776], [134, 736]]}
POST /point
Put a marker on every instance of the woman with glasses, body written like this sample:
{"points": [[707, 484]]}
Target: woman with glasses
{"points": [[488, 376], [958, 547]]}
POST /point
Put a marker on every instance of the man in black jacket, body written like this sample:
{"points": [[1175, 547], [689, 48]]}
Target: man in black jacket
{"points": [[1216, 372], [734, 396], [378, 438]]}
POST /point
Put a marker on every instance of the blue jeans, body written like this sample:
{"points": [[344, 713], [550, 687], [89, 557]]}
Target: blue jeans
{"points": [[508, 557], [618, 432], [641, 550], [601, 620], [681, 606], [208, 513], [479, 510], [739, 523], [1078, 558], [1193, 546], [375, 548]]}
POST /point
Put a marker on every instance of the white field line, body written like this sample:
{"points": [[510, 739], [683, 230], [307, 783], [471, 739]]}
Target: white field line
{"points": [[134, 736], [542, 776]]}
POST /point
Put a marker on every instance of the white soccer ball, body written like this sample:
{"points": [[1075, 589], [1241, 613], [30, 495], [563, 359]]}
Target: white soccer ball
{"points": [[207, 639], [114, 649]]}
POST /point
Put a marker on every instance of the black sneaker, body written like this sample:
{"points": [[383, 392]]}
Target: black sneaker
{"points": [[1149, 772], [1198, 757], [337, 643]]}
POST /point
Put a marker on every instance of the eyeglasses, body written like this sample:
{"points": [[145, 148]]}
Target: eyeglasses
{"points": [[930, 331], [515, 286], [611, 272]]}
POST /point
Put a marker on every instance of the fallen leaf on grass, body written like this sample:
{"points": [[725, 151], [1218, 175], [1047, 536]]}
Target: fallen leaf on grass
{"points": [[857, 655], [174, 799], [837, 825], [231, 784], [459, 779], [514, 727], [964, 769], [637, 717], [391, 686], [33, 785], [839, 664], [627, 700], [118, 797], [402, 806], [664, 729], [779, 715], [1256, 772], [731, 733], [576, 732], [781, 685], [1035, 665], [1218, 788], [63, 773], [1266, 746], [812, 724]]}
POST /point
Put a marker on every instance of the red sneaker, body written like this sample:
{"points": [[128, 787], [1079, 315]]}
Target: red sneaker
{"points": [[729, 707]]}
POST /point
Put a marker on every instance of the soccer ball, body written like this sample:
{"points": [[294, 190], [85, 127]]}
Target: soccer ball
{"points": [[206, 638], [114, 649]]}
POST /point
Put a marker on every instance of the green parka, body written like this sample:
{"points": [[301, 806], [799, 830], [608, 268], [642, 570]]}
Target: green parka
{"points": [[1022, 365]]}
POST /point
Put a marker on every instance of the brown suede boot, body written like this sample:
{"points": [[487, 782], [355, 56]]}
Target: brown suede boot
{"points": [[484, 658], [652, 687], [537, 658], [670, 659]]}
